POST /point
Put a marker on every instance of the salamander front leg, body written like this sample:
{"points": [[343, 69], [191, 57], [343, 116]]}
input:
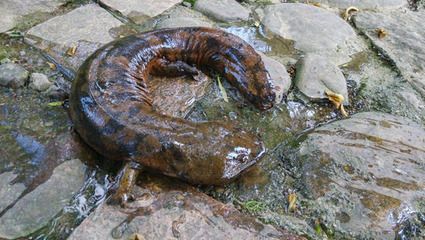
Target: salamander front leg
{"points": [[126, 179], [163, 67]]}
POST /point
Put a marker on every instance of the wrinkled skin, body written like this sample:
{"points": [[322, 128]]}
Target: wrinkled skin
{"points": [[111, 108]]}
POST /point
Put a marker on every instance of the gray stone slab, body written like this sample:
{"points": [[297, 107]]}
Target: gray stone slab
{"points": [[36, 208], [173, 211], [13, 10], [313, 30], [181, 16], [13, 75], [9, 192], [279, 77], [315, 75], [404, 43], [140, 10], [89, 23], [85, 28], [223, 10], [363, 4], [366, 174]]}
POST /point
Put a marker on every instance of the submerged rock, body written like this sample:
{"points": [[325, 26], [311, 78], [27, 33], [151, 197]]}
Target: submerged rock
{"points": [[37, 207], [313, 29], [12, 75], [363, 172], [140, 10], [403, 43], [315, 75], [223, 10], [167, 210]]}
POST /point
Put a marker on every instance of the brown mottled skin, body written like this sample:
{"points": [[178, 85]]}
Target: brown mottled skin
{"points": [[111, 108]]}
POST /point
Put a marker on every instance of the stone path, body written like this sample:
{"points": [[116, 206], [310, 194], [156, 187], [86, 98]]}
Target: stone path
{"points": [[360, 177]]}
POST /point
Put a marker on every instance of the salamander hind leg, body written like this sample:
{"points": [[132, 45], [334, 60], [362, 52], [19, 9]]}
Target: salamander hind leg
{"points": [[126, 180]]}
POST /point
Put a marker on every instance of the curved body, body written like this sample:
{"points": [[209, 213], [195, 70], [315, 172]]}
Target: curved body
{"points": [[112, 111]]}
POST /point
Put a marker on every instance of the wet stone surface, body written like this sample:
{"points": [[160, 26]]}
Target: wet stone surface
{"points": [[223, 10], [362, 4], [368, 171], [167, 210], [403, 42], [13, 75], [14, 11], [314, 30], [140, 10], [360, 177], [315, 75]]}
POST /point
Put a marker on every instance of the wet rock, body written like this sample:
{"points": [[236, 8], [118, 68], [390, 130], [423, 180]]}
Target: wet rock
{"points": [[183, 17], [223, 10], [403, 43], [59, 90], [9, 192], [140, 10], [85, 29], [90, 23], [279, 76], [315, 75], [171, 210], [12, 75], [36, 208], [176, 97], [313, 30], [39, 82], [363, 4], [12, 10], [364, 172]]}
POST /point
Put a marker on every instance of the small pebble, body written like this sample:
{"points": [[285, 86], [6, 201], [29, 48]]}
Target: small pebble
{"points": [[39, 82]]}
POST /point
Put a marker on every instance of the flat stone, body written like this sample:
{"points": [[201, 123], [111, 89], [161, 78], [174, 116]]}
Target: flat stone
{"points": [[85, 28], [12, 11], [36, 208], [39, 82], [90, 23], [315, 75], [181, 16], [9, 192], [365, 174], [169, 211], [313, 30], [404, 43], [140, 10], [279, 77], [12, 75], [223, 10], [363, 4]]}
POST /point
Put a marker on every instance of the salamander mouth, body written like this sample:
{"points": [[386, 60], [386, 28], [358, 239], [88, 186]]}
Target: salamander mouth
{"points": [[239, 160]]}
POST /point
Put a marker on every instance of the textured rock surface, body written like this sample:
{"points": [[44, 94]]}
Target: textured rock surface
{"points": [[43, 203], [314, 30], [368, 172], [363, 4], [85, 28], [315, 74], [404, 43], [39, 82], [140, 10], [13, 10], [223, 10], [183, 17], [90, 23], [12, 75], [166, 212], [279, 76]]}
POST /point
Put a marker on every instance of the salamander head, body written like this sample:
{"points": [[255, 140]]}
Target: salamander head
{"points": [[262, 96]]}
